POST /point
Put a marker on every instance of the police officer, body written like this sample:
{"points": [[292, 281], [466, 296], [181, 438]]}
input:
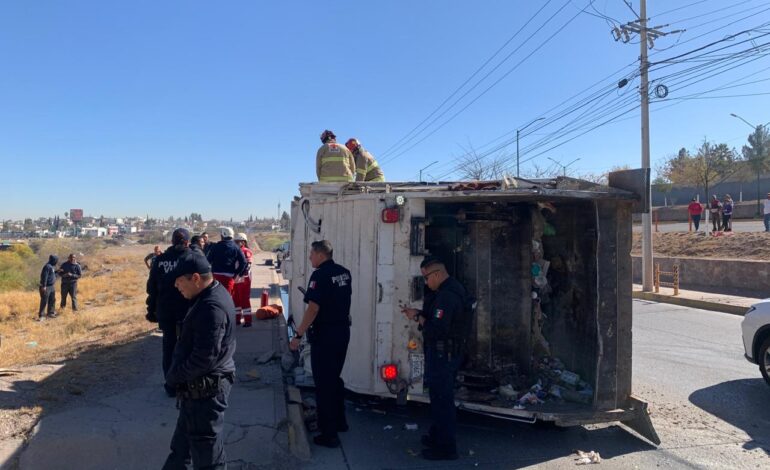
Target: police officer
{"points": [[327, 324], [333, 162], [70, 272], [442, 319], [165, 304], [203, 369]]}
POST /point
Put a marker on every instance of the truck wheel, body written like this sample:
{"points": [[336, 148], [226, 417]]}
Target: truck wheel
{"points": [[763, 359]]}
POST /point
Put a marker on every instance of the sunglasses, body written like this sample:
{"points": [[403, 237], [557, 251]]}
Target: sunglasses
{"points": [[426, 276]]}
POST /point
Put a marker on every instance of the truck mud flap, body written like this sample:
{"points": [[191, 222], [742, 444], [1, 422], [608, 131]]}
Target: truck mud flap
{"points": [[641, 421]]}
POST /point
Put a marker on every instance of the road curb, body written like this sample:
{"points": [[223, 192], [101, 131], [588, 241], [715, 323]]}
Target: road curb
{"points": [[299, 445], [691, 303]]}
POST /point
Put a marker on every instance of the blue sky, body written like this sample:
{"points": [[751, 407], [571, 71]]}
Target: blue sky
{"points": [[161, 108]]}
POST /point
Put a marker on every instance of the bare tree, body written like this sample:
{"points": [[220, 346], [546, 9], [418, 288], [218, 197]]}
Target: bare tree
{"points": [[472, 166]]}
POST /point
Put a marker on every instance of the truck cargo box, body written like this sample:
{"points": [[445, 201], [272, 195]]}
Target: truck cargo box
{"points": [[548, 262]]}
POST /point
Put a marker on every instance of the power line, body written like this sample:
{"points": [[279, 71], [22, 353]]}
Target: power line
{"points": [[505, 44]]}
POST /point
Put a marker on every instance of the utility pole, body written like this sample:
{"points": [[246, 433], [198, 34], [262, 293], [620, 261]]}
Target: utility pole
{"points": [[517, 142], [425, 168], [564, 167], [647, 37], [756, 128]]}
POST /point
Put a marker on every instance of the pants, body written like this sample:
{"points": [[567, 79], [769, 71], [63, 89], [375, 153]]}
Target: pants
{"points": [[48, 299], [726, 222], [70, 288], [696, 221], [715, 222], [198, 434], [227, 282], [440, 374], [329, 346], [169, 343], [242, 295], [767, 222]]}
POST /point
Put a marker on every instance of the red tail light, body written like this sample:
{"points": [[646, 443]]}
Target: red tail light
{"points": [[389, 372], [390, 215]]}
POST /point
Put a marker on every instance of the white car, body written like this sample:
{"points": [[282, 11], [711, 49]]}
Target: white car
{"points": [[756, 336]]}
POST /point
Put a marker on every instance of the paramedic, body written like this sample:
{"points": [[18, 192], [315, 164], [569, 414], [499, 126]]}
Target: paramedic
{"points": [[443, 343], [327, 323]]}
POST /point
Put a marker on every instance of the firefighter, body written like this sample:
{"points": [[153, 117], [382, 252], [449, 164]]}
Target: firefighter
{"points": [[203, 369], [165, 305], [333, 162], [243, 282], [445, 330], [227, 260], [327, 324], [367, 168]]}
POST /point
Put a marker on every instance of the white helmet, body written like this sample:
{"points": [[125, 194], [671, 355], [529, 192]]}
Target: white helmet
{"points": [[241, 237], [226, 232]]}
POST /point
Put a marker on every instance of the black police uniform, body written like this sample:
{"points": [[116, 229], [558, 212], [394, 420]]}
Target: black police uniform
{"points": [[329, 335], [70, 273], [443, 356], [165, 302], [203, 371]]}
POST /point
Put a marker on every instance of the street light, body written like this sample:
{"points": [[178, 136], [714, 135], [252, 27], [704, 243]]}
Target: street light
{"points": [[425, 168], [517, 142], [759, 169], [564, 167]]}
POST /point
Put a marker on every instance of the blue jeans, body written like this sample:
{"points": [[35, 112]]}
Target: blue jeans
{"points": [[767, 222], [696, 221]]}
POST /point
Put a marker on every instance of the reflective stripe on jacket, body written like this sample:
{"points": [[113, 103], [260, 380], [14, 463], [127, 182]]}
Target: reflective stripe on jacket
{"points": [[334, 164], [367, 168]]}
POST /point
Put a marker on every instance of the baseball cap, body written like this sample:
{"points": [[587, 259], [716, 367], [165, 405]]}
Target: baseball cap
{"points": [[180, 235], [191, 263]]}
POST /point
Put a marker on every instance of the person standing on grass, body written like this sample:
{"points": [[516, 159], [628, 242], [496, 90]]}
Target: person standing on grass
{"points": [[150, 257], [715, 210], [727, 213], [695, 210], [70, 272], [47, 289], [767, 213]]}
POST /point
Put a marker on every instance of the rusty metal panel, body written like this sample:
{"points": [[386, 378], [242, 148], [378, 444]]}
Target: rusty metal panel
{"points": [[635, 181], [625, 303], [606, 321]]}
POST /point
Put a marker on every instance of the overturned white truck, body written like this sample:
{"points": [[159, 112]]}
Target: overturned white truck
{"points": [[548, 262]]}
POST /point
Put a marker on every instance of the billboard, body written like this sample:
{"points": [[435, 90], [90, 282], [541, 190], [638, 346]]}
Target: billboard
{"points": [[76, 215]]}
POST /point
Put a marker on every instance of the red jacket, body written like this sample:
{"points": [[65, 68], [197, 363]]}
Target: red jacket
{"points": [[695, 208]]}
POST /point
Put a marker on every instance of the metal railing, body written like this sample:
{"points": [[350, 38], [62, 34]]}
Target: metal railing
{"points": [[674, 275]]}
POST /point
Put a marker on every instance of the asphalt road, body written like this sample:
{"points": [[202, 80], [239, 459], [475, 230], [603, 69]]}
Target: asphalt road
{"points": [[738, 226], [710, 408]]}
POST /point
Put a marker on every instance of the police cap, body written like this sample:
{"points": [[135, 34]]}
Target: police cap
{"points": [[192, 263]]}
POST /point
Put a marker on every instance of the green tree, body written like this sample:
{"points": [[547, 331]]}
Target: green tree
{"points": [[285, 220], [711, 165], [757, 155]]}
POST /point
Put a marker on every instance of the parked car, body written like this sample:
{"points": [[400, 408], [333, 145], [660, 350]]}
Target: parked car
{"points": [[756, 336]]}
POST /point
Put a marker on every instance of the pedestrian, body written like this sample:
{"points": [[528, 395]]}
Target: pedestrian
{"points": [[333, 162], [70, 272], [242, 287], [196, 243], [445, 322], [367, 168], [47, 289], [715, 210], [203, 369], [150, 257], [695, 210], [164, 302], [727, 213], [767, 213], [227, 260], [206, 243], [327, 324]]}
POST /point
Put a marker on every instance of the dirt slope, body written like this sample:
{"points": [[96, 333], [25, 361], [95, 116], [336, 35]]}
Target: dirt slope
{"points": [[733, 245]]}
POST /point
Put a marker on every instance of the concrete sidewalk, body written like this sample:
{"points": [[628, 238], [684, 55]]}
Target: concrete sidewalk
{"points": [[127, 422], [702, 300]]}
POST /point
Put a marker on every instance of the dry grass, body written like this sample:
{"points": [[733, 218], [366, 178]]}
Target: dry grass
{"points": [[111, 296], [734, 245]]}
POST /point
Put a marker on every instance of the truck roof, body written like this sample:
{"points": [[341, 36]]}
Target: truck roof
{"points": [[560, 188]]}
